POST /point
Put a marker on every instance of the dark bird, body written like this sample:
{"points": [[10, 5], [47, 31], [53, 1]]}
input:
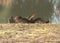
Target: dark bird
{"points": [[11, 19], [19, 19]]}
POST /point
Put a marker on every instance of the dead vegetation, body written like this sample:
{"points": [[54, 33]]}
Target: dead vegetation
{"points": [[29, 33], [29, 19]]}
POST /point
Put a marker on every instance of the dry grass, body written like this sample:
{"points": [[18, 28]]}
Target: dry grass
{"points": [[29, 33]]}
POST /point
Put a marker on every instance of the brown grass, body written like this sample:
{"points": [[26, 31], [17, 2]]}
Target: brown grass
{"points": [[29, 33]]}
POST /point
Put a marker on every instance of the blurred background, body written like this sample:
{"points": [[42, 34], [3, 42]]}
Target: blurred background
{"points": [[24, 8]]}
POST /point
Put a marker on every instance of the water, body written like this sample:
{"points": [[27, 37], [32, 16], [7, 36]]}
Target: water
{"points": [[43, 8], [55, 18], [25, 8]]}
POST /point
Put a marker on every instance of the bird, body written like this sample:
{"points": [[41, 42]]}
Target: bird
{"points": [[19, 19]]}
